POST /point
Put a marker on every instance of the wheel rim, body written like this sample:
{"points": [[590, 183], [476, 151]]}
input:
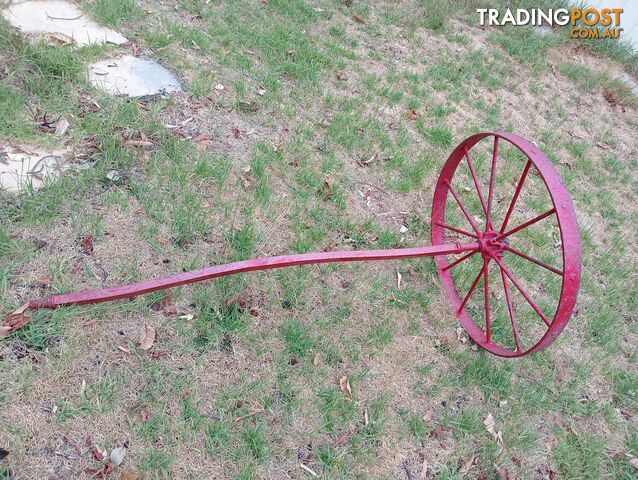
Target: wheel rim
{"points": [[498, 227]]}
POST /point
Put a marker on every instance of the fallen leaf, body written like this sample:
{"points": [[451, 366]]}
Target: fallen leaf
{"points": [[399, 279], [5, 331], [3, 454], [424, 468], [438, 432], [123, 349], [138, 143], [502, 473], [489, 426], [467, 466], [14, 321], [61, 128], [95, 453], [326, 189], [147, 337], [87, 245], [202, 145], [43, 281], [169, 308], [315, 360], [118, 454], [343, 439], [489, 423], [344, 383], [145, 413], [157, 354], [57, 38], [412, 115], [130, 476], [252, 411], [359, 19]]}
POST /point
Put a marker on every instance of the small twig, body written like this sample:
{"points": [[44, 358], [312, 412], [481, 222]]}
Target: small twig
{"points": [[309, 470], [63, 18], [373, 186], [35, 171], [254, 411], [407, 470]]}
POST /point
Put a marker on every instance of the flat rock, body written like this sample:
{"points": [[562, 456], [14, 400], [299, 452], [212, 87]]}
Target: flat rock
{"points": [[630, 82], [24, 166], [61, 20], [133, 76]]}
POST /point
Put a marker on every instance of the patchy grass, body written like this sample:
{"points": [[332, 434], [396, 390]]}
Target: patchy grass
{"points": [[333, 123]]}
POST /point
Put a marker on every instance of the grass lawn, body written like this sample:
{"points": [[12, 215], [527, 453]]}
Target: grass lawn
{"points": [[310, 126]]}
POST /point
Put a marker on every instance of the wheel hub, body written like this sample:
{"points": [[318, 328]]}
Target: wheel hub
{"points": [[491, 245]]}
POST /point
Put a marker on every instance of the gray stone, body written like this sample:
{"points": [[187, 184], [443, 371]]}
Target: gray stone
{"points": [[61, 20], [543, 30], [630, 82], [133, 76]]}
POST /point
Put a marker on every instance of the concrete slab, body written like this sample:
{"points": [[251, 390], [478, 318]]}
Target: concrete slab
{"points": [[23, 166], [630, 82], [59, 18], [133, 76]]}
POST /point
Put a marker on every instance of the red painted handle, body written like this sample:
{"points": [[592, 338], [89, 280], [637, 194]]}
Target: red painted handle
{"points": [[267, 263]]}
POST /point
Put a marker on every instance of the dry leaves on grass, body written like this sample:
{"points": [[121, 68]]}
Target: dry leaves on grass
{"points": [[359, 19], [147, 337], [61, 128], [166, 305], [467, 465], [252, 411], [87, 245], [490, 426], [412, 115], [502, 473], [343, 438], [14, 321], [344, 384], [130, 476]]}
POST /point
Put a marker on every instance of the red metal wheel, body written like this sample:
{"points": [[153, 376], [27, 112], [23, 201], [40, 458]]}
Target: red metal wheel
{"points": [[503, 192]]}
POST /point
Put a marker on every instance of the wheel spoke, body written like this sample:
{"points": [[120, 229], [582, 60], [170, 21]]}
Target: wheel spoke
{"points": [[534, 260], [462, 207], [457, 230], [522, 290], [476, 185], [486, 291], [490, 196], [528, 223], [510, 309], [469, 294], [516, 194], [459, 260]]}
